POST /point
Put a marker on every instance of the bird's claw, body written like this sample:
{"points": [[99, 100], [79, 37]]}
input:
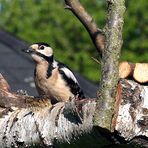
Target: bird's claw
{"points": [[22, 92]]}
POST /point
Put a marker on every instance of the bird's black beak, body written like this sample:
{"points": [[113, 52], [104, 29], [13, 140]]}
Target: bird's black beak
{"points": [[29, 50]]}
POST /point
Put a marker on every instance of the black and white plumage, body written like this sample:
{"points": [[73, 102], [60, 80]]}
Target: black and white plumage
{"points": [[53, 78]]}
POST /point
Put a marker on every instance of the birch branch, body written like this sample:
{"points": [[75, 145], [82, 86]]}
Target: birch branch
{"points": [[132, 114], [28, 121]]}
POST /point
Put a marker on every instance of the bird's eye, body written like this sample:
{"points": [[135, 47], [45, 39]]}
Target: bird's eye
{"points": [[41, 47]]}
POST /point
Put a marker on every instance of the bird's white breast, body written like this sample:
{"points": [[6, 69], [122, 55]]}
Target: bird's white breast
{"points": [[53, 86], [58, 86]]}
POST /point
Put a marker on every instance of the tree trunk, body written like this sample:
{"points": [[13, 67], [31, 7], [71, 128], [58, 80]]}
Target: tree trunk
{"points": [[110, 59]]}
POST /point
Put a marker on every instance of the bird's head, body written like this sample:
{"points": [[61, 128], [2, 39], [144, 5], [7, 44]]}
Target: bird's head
{"points": [[40, 52]]}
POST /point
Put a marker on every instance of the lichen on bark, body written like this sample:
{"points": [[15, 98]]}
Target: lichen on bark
{"points": [[110, 61]]}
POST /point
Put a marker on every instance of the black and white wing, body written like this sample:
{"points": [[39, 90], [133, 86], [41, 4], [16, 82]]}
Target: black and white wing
{"points": [[71, 80]]}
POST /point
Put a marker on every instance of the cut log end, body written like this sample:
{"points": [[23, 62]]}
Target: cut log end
{"points": [[137, 71], [141, 72], [126, 69]]}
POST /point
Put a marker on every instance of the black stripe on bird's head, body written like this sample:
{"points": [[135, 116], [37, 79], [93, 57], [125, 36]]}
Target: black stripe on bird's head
{"points": [[40, 50], [43, 43]]}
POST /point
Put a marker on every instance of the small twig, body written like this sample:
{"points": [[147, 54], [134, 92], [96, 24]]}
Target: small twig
{"points": [[67, 7], [96, 60]]}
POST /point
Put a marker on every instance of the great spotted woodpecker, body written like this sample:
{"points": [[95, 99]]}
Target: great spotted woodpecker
{"points": [[53, 78]]}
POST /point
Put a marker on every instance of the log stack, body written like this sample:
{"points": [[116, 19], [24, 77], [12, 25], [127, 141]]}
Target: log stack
{"points": [[136, 71]]}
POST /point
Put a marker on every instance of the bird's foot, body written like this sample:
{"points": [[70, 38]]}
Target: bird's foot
{"points": [[72, 106], [22, 92]]}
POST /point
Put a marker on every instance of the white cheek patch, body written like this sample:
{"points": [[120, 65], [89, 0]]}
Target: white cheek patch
{"points": [[47, 51]]}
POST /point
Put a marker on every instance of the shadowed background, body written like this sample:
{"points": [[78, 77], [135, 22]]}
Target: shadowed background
{"points": [[48, 21]]}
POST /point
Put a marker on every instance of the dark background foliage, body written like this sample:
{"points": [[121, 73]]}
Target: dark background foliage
{"points": [[48, 21]]}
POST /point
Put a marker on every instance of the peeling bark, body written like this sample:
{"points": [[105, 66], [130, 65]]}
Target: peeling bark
{"points": [[29, 121], [132, 120], [43, 126]]}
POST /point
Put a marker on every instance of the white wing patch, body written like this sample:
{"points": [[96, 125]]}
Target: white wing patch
{"points": [[69, 74]]}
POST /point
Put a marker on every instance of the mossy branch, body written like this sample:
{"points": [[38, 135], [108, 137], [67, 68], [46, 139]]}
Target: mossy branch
{"points": [[108, 42]]}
